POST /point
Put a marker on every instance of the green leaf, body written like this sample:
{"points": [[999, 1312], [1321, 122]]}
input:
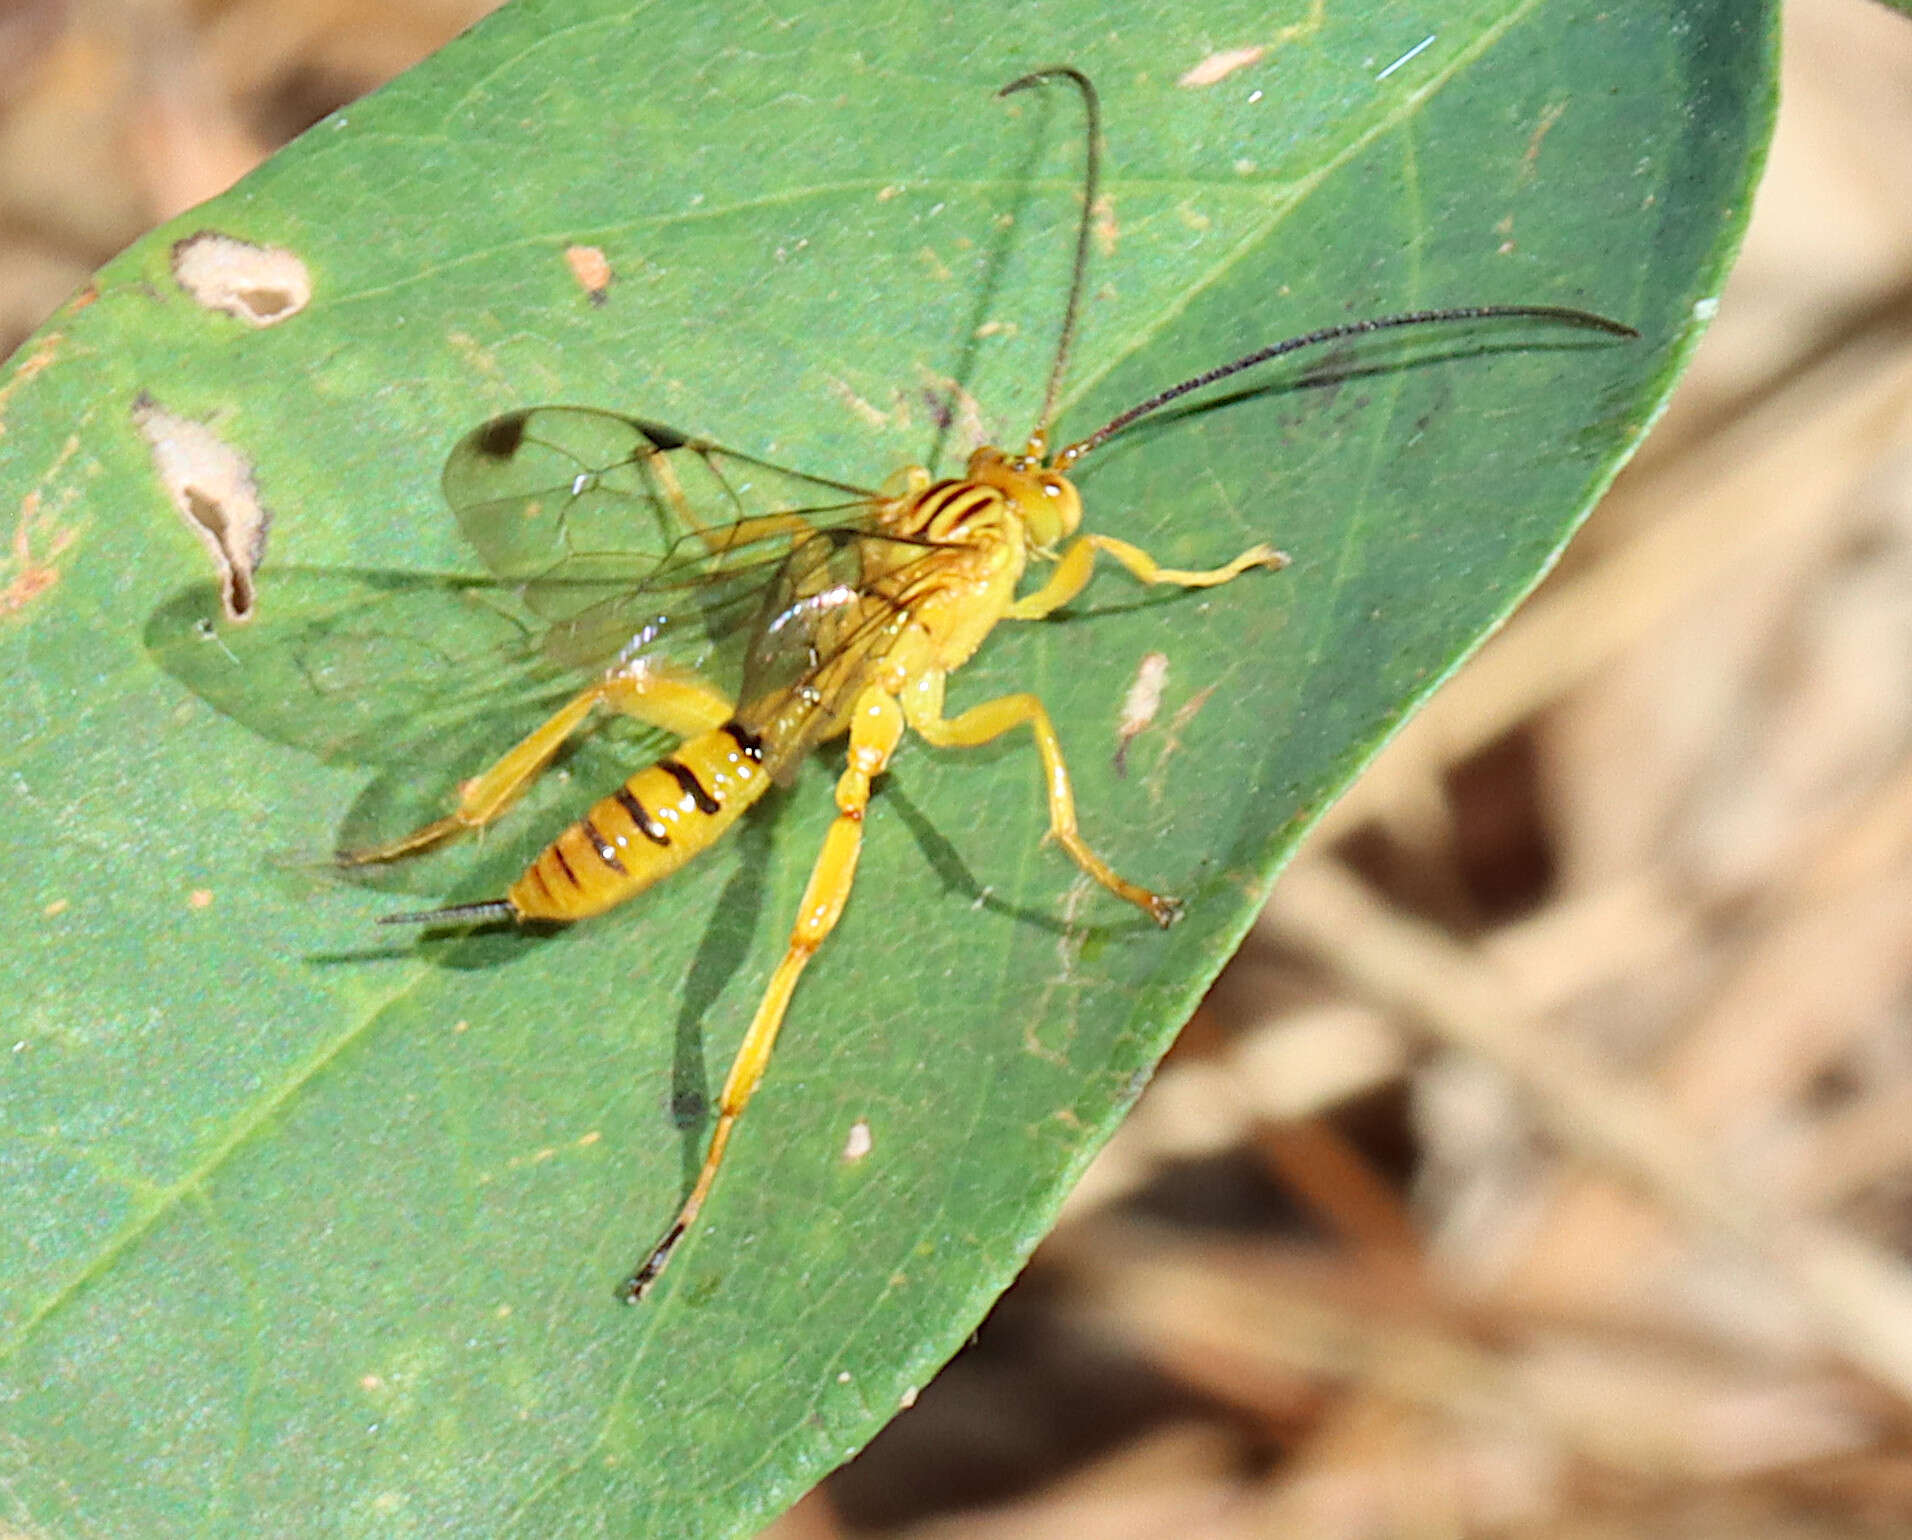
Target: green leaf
{"points": [[313, 1227]]}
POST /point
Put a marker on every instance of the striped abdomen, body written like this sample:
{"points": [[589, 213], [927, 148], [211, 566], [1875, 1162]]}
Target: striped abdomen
{"points": [[646, 829]]}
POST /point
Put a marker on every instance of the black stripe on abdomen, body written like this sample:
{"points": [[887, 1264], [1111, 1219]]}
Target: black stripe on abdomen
{"points": [[693, 788], [748, 743], [651, 829], [606, 851]]}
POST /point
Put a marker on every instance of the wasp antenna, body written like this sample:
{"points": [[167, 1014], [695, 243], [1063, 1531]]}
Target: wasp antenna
{"points": [[1091, 183], [1584, 320], [456, 914]]}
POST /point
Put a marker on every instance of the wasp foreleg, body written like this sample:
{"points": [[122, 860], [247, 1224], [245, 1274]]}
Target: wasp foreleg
{"points": [[1077, 565], [678, 703], [875, 729], [992, 719]]}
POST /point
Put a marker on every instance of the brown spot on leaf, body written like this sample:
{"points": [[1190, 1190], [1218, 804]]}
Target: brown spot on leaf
{"points": [[592, 269], [1157, 778], [954, 408], [875, 416], [27, 569], [44, 352], [1219, 66], [1549, 116], [27, 566]]}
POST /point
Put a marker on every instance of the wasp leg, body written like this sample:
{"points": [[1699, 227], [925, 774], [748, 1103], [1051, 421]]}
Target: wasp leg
{"points": [[677, 703], [1078, 564], [992, 719], [875, 729]]}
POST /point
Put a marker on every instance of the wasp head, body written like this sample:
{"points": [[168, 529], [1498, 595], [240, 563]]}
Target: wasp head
{"points": [[1044, 499]]}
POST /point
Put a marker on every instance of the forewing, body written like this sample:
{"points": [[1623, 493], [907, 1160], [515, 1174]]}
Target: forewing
{"points": [[571, 500], [801, 611], [823, 626]]}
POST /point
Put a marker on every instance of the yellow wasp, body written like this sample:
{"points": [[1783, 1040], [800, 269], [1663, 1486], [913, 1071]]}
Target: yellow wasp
{"points": [[852, 608]]}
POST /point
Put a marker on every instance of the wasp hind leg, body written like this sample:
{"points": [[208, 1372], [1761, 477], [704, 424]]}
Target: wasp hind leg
{"points": [[875, 729], [992, 719], [678, 703]]}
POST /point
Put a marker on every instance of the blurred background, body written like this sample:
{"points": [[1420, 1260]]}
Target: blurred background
{"points": [[1541, 1165]]}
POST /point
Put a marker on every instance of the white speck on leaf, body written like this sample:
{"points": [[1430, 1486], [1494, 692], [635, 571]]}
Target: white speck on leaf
{"points": [[860, 1141]]}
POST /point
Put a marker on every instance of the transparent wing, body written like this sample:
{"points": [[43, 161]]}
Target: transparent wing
{"points": [[830, 616], [804, 609], [609, 538], [365, 666], [573, 501], [622, 533]]}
